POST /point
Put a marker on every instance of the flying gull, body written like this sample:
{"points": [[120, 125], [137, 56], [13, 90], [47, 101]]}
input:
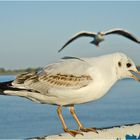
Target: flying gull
{"points": [[99, 37], [72, 81]]}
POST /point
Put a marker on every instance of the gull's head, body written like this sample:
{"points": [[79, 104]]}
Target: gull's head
{"points": [[100, 36], [125, 67]]}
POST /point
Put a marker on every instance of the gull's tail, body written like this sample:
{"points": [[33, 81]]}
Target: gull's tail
{"points": [[94, 42], [5, 86]]}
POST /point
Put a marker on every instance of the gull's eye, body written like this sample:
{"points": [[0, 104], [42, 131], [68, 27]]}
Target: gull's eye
{"points": [[119, 64], [128, 65]]}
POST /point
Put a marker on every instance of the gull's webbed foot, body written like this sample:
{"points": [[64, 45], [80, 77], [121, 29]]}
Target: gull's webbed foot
{"points": [[88, 129], [73, 132]]}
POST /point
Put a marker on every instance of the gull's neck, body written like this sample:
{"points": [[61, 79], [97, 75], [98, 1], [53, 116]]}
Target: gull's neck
{"points": [[106, 64]]}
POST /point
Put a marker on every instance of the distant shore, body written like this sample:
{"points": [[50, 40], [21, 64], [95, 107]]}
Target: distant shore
{"points": [[20, 71], [17, 71]]}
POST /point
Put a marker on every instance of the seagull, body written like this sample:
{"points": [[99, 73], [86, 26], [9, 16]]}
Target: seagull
{"points": [[99, 37], [71, 81]]}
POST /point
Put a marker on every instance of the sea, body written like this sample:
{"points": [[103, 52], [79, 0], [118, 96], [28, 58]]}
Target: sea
{"points": [[21, 118]]}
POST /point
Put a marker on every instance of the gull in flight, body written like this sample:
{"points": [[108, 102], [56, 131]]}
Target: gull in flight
{"points": [[72, 81], [99, 37]]}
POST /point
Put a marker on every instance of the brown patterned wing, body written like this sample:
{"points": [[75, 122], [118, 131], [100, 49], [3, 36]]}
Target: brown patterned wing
{"points": [[66, 74], [66, 81]]}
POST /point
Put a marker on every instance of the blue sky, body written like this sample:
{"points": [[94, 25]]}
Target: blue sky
{"points": [[32, 32]]}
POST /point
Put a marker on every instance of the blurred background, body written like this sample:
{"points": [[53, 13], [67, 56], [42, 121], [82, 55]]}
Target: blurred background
{"points": [[32, 32]]}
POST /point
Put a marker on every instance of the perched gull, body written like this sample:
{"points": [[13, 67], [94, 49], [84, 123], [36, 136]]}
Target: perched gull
{"points": [[72, 81], [99, 37]]}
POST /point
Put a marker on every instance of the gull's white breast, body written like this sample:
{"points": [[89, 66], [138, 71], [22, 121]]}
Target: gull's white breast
{"points": [[72, 81]]}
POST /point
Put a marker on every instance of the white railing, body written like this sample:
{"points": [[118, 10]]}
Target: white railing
{"points": [[123, 132]]}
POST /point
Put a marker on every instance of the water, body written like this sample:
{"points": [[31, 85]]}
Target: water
{"points": [[21, 118]]}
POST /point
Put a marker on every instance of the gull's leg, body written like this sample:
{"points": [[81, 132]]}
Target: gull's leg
{"points": [[71, 132], [81, 127]]}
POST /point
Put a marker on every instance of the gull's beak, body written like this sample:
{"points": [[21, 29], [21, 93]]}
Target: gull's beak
{"points": [[133, 76]]}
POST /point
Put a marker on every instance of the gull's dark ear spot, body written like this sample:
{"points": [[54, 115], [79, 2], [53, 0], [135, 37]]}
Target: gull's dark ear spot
{"points": [[119, 64]]}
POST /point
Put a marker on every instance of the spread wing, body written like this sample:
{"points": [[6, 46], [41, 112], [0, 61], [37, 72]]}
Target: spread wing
{"points": [[66, 74], [80, 34], [123, 33]]}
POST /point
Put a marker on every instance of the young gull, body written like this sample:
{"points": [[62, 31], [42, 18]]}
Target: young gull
{"points": [[72, 81]]}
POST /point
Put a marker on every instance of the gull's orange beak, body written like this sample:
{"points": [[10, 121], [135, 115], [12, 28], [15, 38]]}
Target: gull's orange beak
{"points": [[133, 76]]}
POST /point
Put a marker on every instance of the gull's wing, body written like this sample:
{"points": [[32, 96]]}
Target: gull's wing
{"points": [[123, 33], [77, 35], [66, 74]]}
